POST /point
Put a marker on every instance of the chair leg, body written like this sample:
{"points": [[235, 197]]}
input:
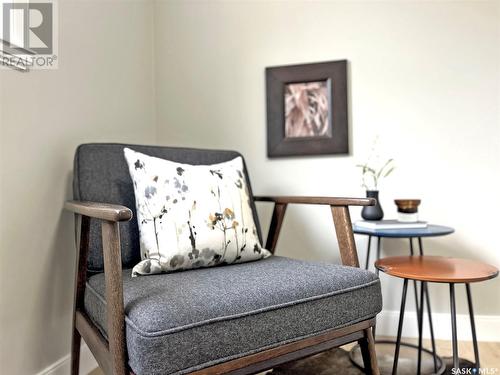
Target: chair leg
{"points": [[367, 345], [75, 352]]}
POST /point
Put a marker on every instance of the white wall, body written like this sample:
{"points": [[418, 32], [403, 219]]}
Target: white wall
{"points": [[102, 91], [424, 76]]}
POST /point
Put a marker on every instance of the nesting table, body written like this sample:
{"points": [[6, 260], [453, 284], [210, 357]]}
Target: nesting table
{"points": [[423, 269], [439, 270]]}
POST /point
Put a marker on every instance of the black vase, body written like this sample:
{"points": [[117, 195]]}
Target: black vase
{"points": [[372, 212]]}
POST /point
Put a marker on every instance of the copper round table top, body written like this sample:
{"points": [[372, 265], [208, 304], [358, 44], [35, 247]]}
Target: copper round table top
{"points": [[437, 269]]}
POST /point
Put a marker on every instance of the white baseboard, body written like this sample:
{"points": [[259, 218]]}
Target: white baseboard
{"points": [[487, 326], [63, 366]]}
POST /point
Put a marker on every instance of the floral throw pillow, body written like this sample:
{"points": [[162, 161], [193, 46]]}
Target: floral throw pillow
{"points": [[192, 216]]}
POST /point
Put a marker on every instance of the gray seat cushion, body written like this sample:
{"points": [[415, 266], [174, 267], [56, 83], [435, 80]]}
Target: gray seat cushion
{"points": [[180, 322]]}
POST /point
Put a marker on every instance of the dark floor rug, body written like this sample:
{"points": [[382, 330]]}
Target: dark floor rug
{"points": [[336, 361]]}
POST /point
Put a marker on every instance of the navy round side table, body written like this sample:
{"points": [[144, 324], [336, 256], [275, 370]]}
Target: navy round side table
{"points": [[431, 230]]}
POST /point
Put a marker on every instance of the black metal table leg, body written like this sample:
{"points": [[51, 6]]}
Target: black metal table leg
{"points": [[379, 240], [454, 326], [429, 313], [420, 328], [415, 289], [473, 327], [400, 327], [368, 252], [431, 328]]}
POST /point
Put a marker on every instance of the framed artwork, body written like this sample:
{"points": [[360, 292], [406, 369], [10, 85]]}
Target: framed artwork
{"points": [[307, 109]]}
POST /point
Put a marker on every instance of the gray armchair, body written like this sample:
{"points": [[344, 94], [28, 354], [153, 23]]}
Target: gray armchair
{"points": [[204, 321]]}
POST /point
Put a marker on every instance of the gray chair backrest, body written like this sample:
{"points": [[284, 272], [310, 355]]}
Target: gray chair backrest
{"points": [[101, 175]]}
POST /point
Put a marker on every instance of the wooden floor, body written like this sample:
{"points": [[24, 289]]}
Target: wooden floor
{"points": [[489, 352]]}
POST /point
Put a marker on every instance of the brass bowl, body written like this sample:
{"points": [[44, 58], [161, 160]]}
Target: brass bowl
{"points": [[408, 206]]}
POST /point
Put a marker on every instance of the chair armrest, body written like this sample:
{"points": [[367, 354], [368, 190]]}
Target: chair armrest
{"points": [[330, 201], [110, 215], [103, 211], [340, 214]]}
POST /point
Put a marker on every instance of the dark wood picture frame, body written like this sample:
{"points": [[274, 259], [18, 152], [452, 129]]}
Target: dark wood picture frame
{"points": [[336, 141]]}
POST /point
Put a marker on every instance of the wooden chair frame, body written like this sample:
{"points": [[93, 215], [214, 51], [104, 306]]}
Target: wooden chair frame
{"points": [[111, 354]]}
